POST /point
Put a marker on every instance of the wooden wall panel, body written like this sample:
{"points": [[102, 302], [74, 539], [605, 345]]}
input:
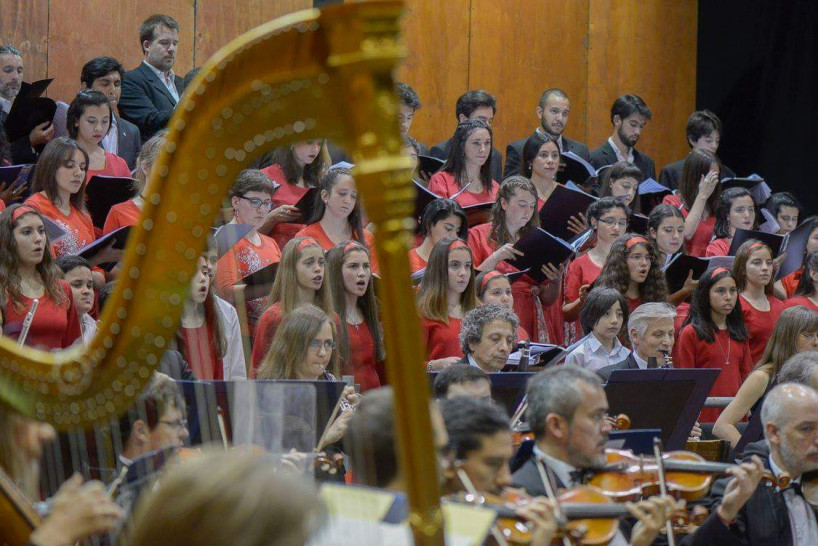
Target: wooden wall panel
{"points": [[437, 35], [24, 25], [218, 22], [522, 48], [645, 47], [80, 31]]}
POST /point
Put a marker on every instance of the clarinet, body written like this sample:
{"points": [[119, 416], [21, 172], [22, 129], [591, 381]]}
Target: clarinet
{"points": [[525, 356]]}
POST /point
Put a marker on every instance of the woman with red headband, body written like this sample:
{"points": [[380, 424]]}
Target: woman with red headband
{"points": [[446, 295], [715, 336], [513, 215], [299, 280], [494, 288], [633, 269], [754, 270], [28, 274]]}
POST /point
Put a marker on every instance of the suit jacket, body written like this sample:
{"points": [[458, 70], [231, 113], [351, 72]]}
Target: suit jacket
{"points": [[764, 520], [672, 173], [605, 155], [146, 102], [128, 140], [441, 151], [514, 153], [174, 365], [628, 364]]}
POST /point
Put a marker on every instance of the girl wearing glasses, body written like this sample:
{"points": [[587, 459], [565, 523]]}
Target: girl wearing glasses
{"points": [[360, 339], [806, 293], [337, 215], [294, 169], [608, 218], [795, 332], [251, 198], [736, 210], [128, 212], [88, 120], [299, 281], [622, 182], [632, 269], [754, 270], [446, 294], [442, 219], [715, 336]]}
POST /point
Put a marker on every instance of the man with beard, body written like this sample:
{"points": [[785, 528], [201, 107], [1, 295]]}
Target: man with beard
{"points": [[629, 114], [744, 511], [552, 112], [151, 91]]}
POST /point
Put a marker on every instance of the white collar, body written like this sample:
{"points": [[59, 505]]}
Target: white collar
{"points": [[164, 76], [562, 469], [596, 346], [778, 471], [5, 105], [641, 362]]}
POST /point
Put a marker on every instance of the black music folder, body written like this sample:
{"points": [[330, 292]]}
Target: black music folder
{"points": [[29, 109], [258, 284], [422, 199], [682, 264], [15, 176], [563, 203], [777, 243], [575, 169], [429, 165], [756, 185], [539, 248], [306, 205], [478, 213], [651, 193], [227, 236], [638, 223], [103, 192], [118, 237], [796, 247]]}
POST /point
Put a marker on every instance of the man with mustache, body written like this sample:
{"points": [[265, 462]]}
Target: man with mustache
{"points": [[151, 91], [745, 511], [629, 115], [552, 112], [487, 336]]}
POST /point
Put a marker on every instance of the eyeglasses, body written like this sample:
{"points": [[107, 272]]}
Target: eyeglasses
{"points": [[178, 424], [257, 203], [640, 258], [809, 336], [611, 222], [316, 345]]}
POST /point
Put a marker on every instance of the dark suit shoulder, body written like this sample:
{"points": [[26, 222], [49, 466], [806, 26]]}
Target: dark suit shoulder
{"points": [[441, 150], [602, 156], [528, 478], [671, 174], [576, 147], [628, 364]]}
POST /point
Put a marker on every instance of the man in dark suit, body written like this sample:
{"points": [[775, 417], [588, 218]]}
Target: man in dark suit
{"points": [[480, 105], [151, 91], [488, 334], [553, 115], [745, 511], [104, 74], [629, 115], [703, 132]]}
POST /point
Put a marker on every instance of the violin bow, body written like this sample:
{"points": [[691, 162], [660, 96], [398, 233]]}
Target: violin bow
{"points": [[660, 467], [519, 412], [222, 428], [330, 422], [471, 490], [545, 476]]}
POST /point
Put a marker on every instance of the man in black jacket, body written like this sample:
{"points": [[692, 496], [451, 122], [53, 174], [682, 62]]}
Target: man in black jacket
{"points": [[629, 115], [552, 111], [747, 512], [151, 91]]}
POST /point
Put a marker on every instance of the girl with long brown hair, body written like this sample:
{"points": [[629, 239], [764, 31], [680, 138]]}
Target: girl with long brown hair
{"points": [[633, 269]]}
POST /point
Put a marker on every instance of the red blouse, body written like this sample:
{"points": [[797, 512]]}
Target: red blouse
{"points": [[443, 184], [633, 303], [696, 353], [580, 272], [697, 245], [442, 340], [760, 324], [114, 166], [791, 281], [203, 360], [79, 229], [54, 326], [416, 263], [718, 247], [265, 332], [121, 215], [317, 232], [286, 194], [362, 362], [801, 300]]}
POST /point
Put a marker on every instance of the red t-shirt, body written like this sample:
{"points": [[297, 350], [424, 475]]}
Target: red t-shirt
{"points": [[416, 263], [114, 166], [362, 362], [760, 324], [442, 340], [265, 332], [696, 353], [443, 184], [317, 232], [286, 194], [633, 303], [697, 245], [580, 272], [718, 247], [203, 360], [791, 281], [121, 215], [53, 326], [2, 205], [800, 300], [79, 229]]}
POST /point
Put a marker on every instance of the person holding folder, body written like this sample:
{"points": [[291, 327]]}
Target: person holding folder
{"points": [[442, 219], [697, 199], [513, 215], [806, 293], [466, 175], [736, 209], [494, 288], [88, 121]]}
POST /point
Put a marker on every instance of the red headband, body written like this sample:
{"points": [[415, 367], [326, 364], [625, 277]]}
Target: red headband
{"points": [[21, 210], [308, 241], [635, 241], [457, 243], [756, 245], [487, 278], [719, 271], [353, 245]]}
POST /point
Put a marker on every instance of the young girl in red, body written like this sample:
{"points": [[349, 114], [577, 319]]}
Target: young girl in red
{"points": [[337, 215], [88, 120], [632, 269], [360, 340], [513, 215], [622, 181], [299, 280], [28, 272], [715, 336], [442, 219], [806, 293], [754, 269], [446, 294], [736, 210], [494, 288], [466, 175]]}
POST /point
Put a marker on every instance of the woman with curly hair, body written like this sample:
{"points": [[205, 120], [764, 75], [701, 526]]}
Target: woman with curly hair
{"points": [[28, 274], [513, 215], [632, 268], [736, 210]]}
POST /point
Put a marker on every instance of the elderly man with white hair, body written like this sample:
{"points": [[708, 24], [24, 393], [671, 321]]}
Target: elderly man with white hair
{"points": [[650, 328], [746, 511]]}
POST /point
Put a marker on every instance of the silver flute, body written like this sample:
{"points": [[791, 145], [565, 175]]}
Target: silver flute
{"points": [[27, 322]]}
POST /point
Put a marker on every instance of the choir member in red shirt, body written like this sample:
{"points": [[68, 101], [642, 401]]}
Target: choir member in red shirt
{"points": [[666, 231], [622, 181], [806, 293], [299, 281], [59, 186], [785, 288], [608, 217], [294, 169], [446, 294], [88, 121], [128, 212], [715, 336], [736, 209], [251, 199], [513, 215], [28, 273], [795, 332], [360, 339], [336, 217], [698, 195], [442, 219], [753, 269], [466, 175], [494, 288]]}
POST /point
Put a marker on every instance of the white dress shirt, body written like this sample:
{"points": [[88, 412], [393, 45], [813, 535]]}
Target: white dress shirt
{"points": [[619, 156], [110, 142], [167, 78], [802, 518], [591, 354], [5, 105]]}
